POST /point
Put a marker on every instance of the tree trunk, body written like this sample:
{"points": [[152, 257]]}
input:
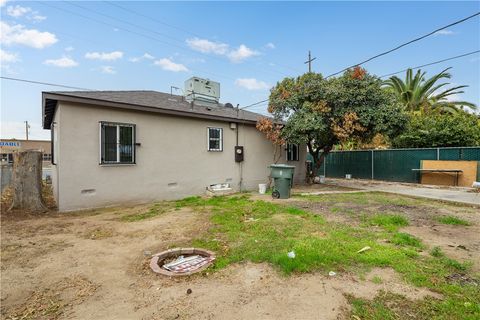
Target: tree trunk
{"points": [[27, 181], [318, 158]]}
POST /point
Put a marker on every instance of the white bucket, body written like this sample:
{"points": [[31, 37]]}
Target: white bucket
{"points": [[348, 176], [322, 179], [262, 188]]}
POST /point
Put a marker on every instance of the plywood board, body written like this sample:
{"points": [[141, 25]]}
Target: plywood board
{"points": [[465, 179]]}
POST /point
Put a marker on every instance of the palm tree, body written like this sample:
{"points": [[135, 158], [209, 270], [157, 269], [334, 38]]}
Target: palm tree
{"points": [[420, 94]]}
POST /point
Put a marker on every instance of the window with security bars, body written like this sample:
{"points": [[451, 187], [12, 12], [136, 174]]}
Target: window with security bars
{"points": [[292, 152], [117, 142], [215, 139]]}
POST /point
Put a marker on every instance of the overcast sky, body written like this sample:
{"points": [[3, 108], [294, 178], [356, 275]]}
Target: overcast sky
{"points": [[247, 47]]}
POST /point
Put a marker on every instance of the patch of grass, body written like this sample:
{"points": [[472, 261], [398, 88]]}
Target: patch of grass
{"points": [[257, 231], [364, 198], [455, 264], [347, 211], [405, 239], [377, 280], [99, 233], [358, 198], [189, 201], [261, 231], [437, 252], [155, 210], [371, 310], [295, 211], [390, 222], [453, 221], [335, 209], [387, 305]]}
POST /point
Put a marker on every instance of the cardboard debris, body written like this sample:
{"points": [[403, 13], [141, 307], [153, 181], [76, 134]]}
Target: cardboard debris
{"points": [[187, 264]]}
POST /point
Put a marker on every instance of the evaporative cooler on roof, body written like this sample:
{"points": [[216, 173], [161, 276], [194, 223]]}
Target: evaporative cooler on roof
{"points": [[202, 91]]}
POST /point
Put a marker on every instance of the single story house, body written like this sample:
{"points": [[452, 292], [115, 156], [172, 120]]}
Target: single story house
{"points": [[117, 147]]}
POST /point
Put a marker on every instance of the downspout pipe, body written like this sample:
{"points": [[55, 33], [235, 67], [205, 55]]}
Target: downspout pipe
{"points": [[240, 164]]}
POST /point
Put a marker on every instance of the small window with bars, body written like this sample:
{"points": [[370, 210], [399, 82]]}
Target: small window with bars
{"points": [[117, 143], [292, 152], [215, 139]]}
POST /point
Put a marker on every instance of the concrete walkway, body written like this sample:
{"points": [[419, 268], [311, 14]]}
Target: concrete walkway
{"points": [[458, 194]]}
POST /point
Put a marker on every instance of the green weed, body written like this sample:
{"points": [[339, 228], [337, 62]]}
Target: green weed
{"points": [[453, 220], [437, 252], [405, 239], [390, 222], [155, 210], [377, 280]]}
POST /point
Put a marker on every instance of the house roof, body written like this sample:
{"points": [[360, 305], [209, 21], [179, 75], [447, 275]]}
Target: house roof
{"points": [[147, 101]]}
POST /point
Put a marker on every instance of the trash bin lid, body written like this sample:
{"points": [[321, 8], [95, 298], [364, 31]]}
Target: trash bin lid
{"points": [[282, 166]]}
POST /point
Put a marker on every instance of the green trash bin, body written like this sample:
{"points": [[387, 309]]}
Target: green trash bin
{"points": [[282, 175]]}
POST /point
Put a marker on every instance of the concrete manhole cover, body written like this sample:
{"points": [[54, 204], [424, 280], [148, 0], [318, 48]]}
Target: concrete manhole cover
{"points": [[181, 261]]}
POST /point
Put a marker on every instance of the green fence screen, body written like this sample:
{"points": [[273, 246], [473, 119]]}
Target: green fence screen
{"points": [[390, 165]]}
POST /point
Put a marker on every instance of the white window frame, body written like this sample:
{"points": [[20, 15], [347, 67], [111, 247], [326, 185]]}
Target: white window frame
{"points": [[220, 139], [296, 156], [117, 125]]}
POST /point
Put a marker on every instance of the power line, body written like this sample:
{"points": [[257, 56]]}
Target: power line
{"points": [[124, 21], [45, 83], [142, 34], [254, 104], [172, 26], [155, 32], [150, 18], [259, 108], [406, 43], [133, 32], [259, 103], [432, 63]]}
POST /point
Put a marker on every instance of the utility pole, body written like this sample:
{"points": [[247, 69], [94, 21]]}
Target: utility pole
{"points": [[26, 128], [309, 61]]}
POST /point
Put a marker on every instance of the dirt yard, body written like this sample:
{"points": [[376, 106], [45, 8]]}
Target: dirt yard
{"points": [[94, 264]]}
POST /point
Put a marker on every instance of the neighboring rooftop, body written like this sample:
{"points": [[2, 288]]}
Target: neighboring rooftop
{"points": [[149, 101]]}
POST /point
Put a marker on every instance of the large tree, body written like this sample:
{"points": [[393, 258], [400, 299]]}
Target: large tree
{"points": [[416, 93], [322, 112], [460, 129]]}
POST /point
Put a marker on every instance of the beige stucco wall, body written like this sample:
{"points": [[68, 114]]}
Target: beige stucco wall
{"points": [[171, 163]]}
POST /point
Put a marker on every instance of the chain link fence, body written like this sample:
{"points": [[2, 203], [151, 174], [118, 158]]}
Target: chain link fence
{"points": [[392, 164]]}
